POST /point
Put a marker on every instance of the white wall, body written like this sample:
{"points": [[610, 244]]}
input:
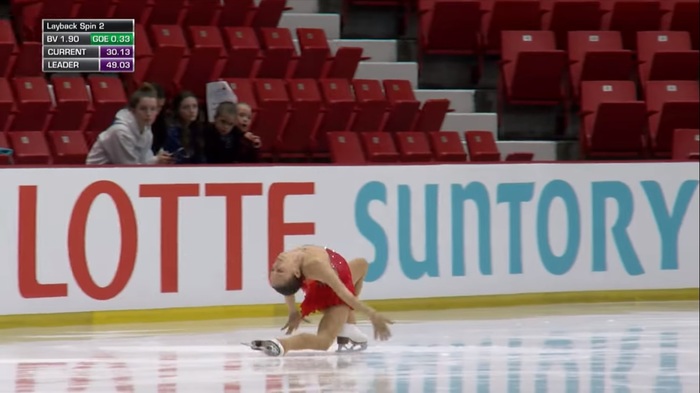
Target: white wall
{"points": [[405, 219]]}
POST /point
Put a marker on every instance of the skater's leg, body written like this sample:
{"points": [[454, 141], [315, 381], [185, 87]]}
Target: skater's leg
{"points": [[331, 324], [358, 269]]}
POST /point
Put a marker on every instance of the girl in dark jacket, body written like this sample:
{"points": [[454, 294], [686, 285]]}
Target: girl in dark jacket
{"points": [[184, 139]]}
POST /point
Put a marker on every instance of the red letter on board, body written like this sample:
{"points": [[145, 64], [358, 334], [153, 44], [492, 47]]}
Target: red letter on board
{"points": [[277, 228], [29, 286], [76, 240], [234, 194], [169, 195]]}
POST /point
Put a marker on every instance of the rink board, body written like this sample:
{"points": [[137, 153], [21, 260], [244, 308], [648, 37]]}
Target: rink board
{"points": [[104, 245]]}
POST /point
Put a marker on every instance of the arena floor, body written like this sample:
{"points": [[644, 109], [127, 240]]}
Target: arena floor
{"points": [[621, 347]]}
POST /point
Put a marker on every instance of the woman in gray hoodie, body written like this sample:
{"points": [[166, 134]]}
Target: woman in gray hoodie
{"points": [[128, 140]]}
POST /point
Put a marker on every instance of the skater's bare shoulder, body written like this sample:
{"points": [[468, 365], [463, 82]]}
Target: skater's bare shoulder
{"points": [[315, 264]]}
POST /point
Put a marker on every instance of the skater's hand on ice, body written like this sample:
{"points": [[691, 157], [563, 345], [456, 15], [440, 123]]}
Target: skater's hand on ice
{"points": [[381, 326], [293, 322]]}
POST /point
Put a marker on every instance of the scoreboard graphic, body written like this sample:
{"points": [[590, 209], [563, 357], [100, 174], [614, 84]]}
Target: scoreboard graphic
{"points": [[87, 45]]}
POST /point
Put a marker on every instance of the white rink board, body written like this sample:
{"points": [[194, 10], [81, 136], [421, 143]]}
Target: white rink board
{"points": [[538, 228]]}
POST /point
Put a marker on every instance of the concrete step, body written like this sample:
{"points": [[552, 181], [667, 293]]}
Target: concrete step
{"points": [[471, 122], [379, 51], [388, 70], [461, 101], [330, 23]]}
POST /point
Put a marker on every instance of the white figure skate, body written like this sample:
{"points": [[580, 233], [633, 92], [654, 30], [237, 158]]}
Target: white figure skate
{"points": [[351, 339], [268, 347]]}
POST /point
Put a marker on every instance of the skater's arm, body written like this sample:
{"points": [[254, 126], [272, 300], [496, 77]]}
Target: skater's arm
{"points": [[291, 302], [346, 296]]}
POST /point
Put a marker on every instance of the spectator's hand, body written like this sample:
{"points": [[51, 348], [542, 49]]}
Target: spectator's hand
{"points": [[254, 139], [164, 157]]}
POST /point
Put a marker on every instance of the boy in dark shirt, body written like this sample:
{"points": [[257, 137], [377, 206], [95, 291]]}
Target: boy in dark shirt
{"points": [[227, 140]]}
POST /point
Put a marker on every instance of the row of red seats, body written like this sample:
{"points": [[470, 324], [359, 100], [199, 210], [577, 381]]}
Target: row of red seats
{"points": [[532, 68], [29, 13], [66, 147], [292, 116], [37, 148], [295, 115], [467, 27], [206, 53], [614, 123], [660, 55], [26, 103], [416, 147], [388, 105]]}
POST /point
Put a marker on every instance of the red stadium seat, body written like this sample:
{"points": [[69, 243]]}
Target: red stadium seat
{"points": [[482, 146], [203, 13], [279, 51], [532, 68], [243, 52], [206, 50], [450, 28], [339, 103], [69, 147], [30, 148], [72, 103], [448, 146], [268, 13], [345, 62], [613, 121], [8, 46], [502, 16], [686, 144], [296, 138], [413, 147], [379, 147], [108, 97], [244, 90], [7, 104], [630, 16], [666, 55], [671, 105], [25, 63], [169, 48], [345, 147], [371, 105], [33, 104], [598, 56], [684, 15], [314, 53], [565, 16], [432, 115]]}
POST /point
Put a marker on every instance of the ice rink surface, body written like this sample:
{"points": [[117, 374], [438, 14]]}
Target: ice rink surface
{"points": [[621, 347]]}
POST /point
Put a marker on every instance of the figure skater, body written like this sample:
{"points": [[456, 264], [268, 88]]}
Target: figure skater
{"points": [[331, 285]]}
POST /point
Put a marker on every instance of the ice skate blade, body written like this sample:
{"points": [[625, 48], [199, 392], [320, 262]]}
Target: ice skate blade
{"points": [[268, 347], [351, 346], [252, 346]]}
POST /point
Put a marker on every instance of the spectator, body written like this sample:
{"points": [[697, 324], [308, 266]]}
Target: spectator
{"points": [[184, 138], [228, 140], [128, 140], [159, 127]]}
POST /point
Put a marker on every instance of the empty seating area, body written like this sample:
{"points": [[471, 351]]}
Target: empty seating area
{"points": [[625, 72], [414, 147]]}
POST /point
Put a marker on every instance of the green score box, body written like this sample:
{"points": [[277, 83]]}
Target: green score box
{"points": [[112, 38]]}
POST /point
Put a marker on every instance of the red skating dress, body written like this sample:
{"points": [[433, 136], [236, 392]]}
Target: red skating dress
{"points": [[319, 296]]}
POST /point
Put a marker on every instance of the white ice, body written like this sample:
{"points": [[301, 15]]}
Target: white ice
{"points": [[562, 349]]}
